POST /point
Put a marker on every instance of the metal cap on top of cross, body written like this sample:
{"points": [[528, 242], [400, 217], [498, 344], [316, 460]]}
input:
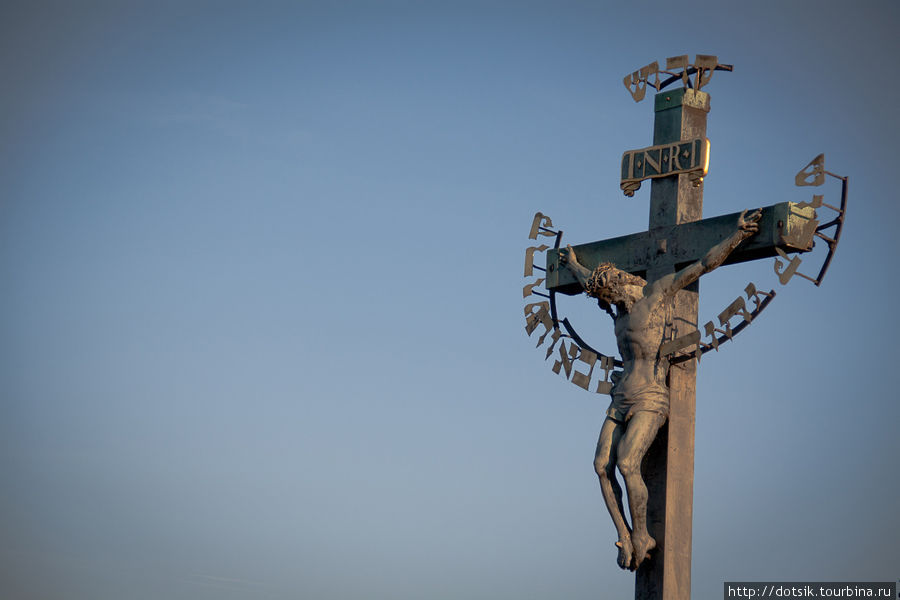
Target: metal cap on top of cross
{"points": [[648, 282]]}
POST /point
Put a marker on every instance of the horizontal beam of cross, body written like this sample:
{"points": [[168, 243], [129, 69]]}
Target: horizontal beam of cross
{"points": [[788, 226]]}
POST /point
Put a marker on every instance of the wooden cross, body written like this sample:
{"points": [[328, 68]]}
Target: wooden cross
{"points": [[676, 237]]}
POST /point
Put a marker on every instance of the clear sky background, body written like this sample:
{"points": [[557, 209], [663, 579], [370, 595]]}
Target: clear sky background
{"points": [[261, 330]]}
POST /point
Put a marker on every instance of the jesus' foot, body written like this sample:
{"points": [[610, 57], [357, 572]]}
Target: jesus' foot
{"points": [[642, 547], [625, 553]]}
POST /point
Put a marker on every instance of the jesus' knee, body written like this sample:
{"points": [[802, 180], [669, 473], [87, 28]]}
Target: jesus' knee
{"points": [[629, 466], [603, 467]]}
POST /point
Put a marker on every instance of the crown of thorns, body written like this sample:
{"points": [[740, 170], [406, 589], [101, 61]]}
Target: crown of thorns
{"points": [[600, 287], [604, 268]]}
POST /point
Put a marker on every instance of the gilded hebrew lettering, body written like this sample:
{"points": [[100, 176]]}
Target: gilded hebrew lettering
{"points": [[580, 379], [566, 359], [736, 307], [812, 174], [529, 289], [710, 330], [678, 68], [548, 328], [607, 363], [540, 221], [609, 379], [754, 295], [705, 65], [529, 258], [816, 202], [557, 334], [684, 341], [651, 69], [534, 308], [531, 322], [636, 83], [679, 62], [785, 273], [636, 86], [604, 387], [539, 317]]}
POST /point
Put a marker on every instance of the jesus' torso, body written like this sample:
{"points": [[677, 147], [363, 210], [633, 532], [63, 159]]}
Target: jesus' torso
{"points": [[639, 335]]}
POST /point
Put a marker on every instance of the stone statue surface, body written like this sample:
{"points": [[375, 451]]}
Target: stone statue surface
{"points": [[640, 396]]}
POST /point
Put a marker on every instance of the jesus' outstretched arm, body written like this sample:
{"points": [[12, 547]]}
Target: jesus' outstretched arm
{"points": [[567, 257], [747, 226]]}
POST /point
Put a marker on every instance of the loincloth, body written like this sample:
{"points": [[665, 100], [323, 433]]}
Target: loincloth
{"points": [[622, 408]]}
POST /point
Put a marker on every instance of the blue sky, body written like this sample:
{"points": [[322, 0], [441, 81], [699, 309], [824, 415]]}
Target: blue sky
{"points": [[261, 331]]}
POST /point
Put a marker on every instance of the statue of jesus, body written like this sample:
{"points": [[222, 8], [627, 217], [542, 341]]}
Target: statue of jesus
{"points": [[640, 394]]}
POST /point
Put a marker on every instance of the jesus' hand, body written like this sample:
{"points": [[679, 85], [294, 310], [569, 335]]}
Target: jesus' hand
{"points": [[567, 256], [750, 223]]}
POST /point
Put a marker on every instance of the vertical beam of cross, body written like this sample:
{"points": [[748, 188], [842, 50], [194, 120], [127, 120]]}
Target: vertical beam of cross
{"points": [[669, 464]]}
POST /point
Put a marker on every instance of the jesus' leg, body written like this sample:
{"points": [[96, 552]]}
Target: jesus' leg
{"points": [[605, 466], [639, 434]]}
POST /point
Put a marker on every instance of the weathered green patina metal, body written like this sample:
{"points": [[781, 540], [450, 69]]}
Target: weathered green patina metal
{"points": [[785, 226]]}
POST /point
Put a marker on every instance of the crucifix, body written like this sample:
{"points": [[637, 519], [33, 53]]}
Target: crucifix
{"points": [[648, 282]]}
